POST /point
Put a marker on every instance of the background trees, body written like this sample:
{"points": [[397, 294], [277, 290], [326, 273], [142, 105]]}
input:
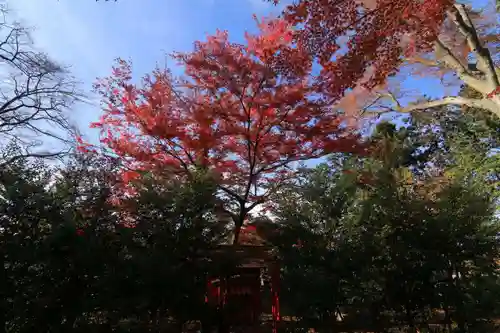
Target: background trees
{"points": [[379, 242], [70, 264]]}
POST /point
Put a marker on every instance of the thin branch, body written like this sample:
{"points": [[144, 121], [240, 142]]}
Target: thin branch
{"points": [[231, 193]]}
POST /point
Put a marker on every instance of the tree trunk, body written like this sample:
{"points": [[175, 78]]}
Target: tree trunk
{"points": [[238, 223]]}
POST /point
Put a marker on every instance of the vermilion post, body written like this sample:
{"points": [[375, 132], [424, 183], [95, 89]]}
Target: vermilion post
{"points": [[275, 277]]}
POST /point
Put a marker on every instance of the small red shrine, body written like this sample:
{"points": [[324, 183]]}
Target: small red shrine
{"points": [[238, 296]]}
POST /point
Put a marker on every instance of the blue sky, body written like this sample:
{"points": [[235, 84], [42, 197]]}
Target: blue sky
{"points": [[87, 35]]}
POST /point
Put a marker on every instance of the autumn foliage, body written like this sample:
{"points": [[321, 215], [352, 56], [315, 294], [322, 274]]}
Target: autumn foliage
{"points": [[234, 113], [247, 112], [362, 41]]}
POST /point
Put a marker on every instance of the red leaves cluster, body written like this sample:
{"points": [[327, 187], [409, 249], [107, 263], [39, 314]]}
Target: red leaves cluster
{"points": [[378, 32], [233, 113]]}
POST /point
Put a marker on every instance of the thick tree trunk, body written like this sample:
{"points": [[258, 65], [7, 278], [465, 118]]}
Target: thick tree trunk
{"points": [[238, 222]]}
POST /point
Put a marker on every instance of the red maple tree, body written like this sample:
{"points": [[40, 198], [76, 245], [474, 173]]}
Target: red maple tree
{"points": [[362, 41], [359, 44], [233, 113]]}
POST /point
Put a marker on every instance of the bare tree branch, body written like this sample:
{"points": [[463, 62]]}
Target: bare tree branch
{"points": [[35, 96]]}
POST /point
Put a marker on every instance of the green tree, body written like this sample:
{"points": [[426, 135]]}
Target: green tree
{"points": [[72, 264], [388, 240]]}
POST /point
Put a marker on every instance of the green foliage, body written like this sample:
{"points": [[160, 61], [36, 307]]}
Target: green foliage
{"points": [[70, 264], [390, 241], [465, 141]]}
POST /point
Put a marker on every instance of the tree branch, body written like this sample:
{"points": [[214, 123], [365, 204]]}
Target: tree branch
{"points": [[451, 100], [454, 63], [485, 62]]}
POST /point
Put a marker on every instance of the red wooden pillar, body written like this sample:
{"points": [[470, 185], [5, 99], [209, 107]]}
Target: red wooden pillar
{"points": [[275, 287], [213, 293], [223, 292]]}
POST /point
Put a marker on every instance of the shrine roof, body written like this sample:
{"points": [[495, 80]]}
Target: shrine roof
{"points": [[247, 255]]}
